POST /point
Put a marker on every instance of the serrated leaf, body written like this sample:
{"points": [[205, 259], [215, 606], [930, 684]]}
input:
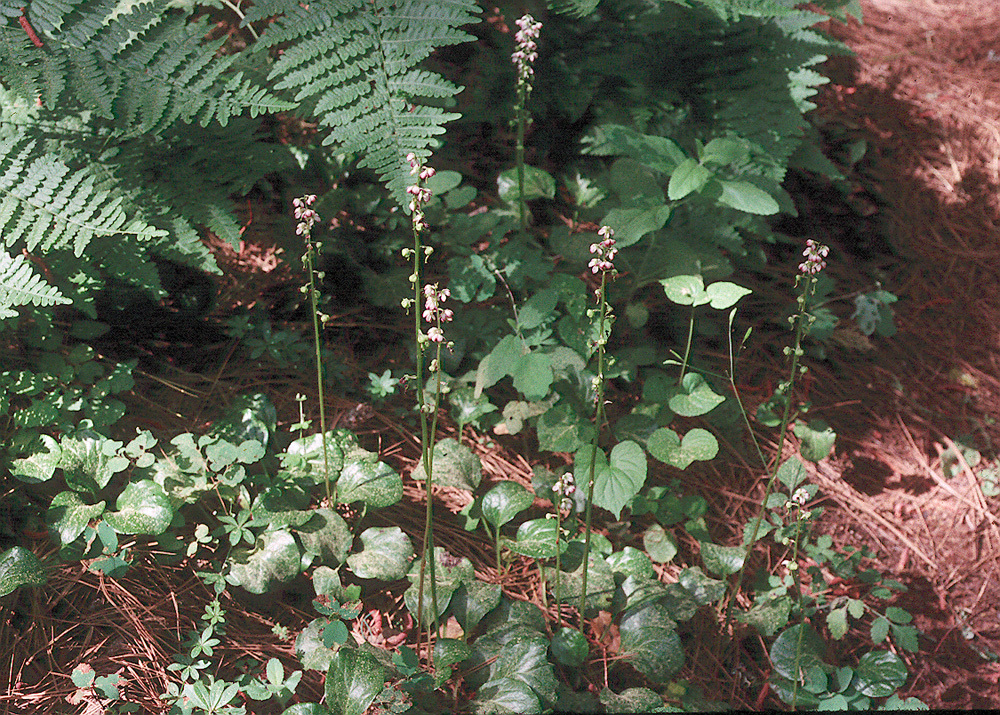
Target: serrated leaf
{"points": [[879, 629], [143, 508], [19, 567], [649, 641], [694, 397], [698, 444], [505, 501], [454, 466], [744, 196], [836, 621], [40, 465], [879, 674], [386, 554], [375, 483], [69, 515], [274, 560], [353, 681]]}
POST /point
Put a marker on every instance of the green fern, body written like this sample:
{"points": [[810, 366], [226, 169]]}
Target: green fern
{"points": [[20, 285], [353, 64], [138, 64], [573, 8]]}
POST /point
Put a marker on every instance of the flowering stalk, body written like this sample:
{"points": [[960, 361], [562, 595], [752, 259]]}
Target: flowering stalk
{"points": [[603, 263], [525, 54], [815, 255], [563, 491], [433, 313], [307, 218]]}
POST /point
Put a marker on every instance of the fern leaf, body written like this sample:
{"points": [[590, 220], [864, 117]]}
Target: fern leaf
{"points": [[20, 285], [573, 8], [356, 62]]}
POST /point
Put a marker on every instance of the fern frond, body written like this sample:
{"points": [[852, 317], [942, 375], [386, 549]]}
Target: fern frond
{"points": [[46, 205], [573, 8], [20, 285], [139, 64], [356, 62]]}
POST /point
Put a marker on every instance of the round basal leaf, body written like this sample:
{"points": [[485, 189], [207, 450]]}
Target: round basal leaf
{"points": [[143, 508], [19, 567], [698, 444], [386, 554], [817, 438], [631, 700], [659, 543], [722, 294], [85, 463], [376, 484], [769, 616], [792, 473], [600, 584], [570, 647], [454, 466], [353, 681], [616, 484], [649, 641], [631, 562], [68, 516], [722, 560], [538, 184], [688, 177], [275, 559], [326, 582], [310, 648], [40, 465], [685, 290], [704, 589], [507, 696], [630, 225], [695, 397], [796, 650], [505, 501], [283, 505], [537, 539], [326, 535], [880, 674], [744, 196], [450, 651], [472, 601]]}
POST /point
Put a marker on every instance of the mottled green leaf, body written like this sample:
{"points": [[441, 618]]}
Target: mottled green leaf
{"points": [[143, 508], [326, 535], [454, 466], [374, 483], [505, 501], [40, 465], [386, 554], [631, 562], [85, 463], [722, 560], [275, 559], [570, 647], [649, 641], [796, 650], [69, 515], [880, 674], [659, 544], [353, 681], [537, 539], [19, 567]]}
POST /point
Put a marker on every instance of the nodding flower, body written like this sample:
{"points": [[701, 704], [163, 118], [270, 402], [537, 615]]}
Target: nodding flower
{"points": [[526, 51], [604, 251], [814, 254]]}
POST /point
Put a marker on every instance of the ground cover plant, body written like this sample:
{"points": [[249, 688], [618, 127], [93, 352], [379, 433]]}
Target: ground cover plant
{"points": [[563, 293]]}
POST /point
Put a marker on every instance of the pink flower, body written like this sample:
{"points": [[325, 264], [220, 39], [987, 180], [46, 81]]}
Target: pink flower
{"points": [[604, 251], [814, 254]]}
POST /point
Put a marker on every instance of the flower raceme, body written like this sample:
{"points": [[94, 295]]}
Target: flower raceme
{"points": [[434, 313], [306, 216], [604, 251], [526, 51], [814, 253]]}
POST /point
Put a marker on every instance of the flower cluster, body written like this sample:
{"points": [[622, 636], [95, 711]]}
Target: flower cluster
{"points": [[604, 251], [526, 51], [814, 254], [419, 195], [434, 313], [565, 487], [306, 216]]}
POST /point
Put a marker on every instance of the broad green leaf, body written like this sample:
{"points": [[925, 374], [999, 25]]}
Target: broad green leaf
{"points": [[722, 294], [326, 535], [880, 674], [454, 466], [649, 641], [769, 616], [505, 501], [688, 177], [306, 709], [538, 184], [248, 417], [497, 365], [897, 615], [698, 444], [473, 600], [450, 572], [796, 650], [897, 703], [704, 589], [466, 408], [449, 651], [40, 465], [621, 479], [570, 647], [636, 185], [386, 554], [471, 280], [836, 621], [304, 457], [443, 182], [631, 700], [310, 649], [879, 629], [630, 225], [143, 508], [275, 559], [659, 544], [524, 658], [817, 438], [600, 584], [537, 539], [19, 567], [86, 464], [723, 151], [695, 397], [353, 681], [284, 504], [722, 560], [560, 429], [685, 290], [220, 454], [375, 483], [532, 375], [744, 196], [792, 473], [69, 515], [537, 309], [632, 562], [506, 696]]}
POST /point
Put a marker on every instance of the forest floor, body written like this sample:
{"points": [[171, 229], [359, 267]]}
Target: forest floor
{"points": [[923, 92]]}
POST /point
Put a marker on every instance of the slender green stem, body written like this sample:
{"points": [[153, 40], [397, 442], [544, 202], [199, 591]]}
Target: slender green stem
{"points": [[687, 348], [522, 120], [314, 305]]}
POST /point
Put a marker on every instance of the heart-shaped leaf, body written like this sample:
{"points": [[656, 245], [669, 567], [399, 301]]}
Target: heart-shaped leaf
{"points": [[523, 659], [537, 539], [86, 464], [632, 562], [560, 429], [310, 649], [631, 700], [450, 572], [659, 544], [472, 601], [791, 473], [505, 501], [326, 535], [685, 290], [454, 466], [698, 444], [386, 554], [722, 294], [41, 464], [704, 589], [817, 438], [275, 559], [69, 515], [532, 375], [600, 584], [353, 681], [374, 483], [649, 641], [143, 508], [615, 481], [694, 397], [19, 567], [570, 647]]}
